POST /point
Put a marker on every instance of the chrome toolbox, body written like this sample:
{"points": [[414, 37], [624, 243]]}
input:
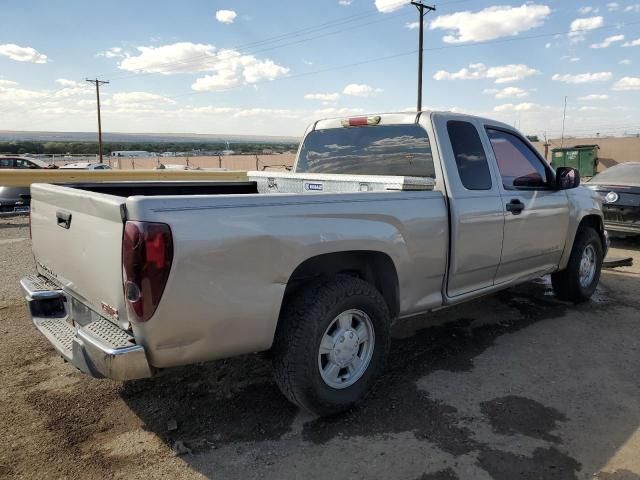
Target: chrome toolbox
{"points": [[288, 182]]}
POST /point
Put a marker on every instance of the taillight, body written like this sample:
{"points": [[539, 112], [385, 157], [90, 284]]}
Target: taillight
{"points": [[147, 253]]}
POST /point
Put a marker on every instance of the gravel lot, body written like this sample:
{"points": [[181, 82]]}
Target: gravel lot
{"points": [[516, 385]]}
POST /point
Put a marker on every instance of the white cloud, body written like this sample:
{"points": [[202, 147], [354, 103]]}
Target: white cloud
{"points": [[489, 23], [269, 112], [635, 8], [22, 54], [517, 107], [510, 73], [344, 3], [226, 16], [388, 6], [607, 42], [477, 71], [336, 112], [11, 95], [229, 67], [593, 96], [361, 90], [633, 43], [570, 58], [583, 77], [589, 109], [587, 10], [627, 83], [258, 70], [547, 45], [508, 92], [140, 98], [625, 61], [71, 88], [325, 97], [113, 52], [613, 6], [412, 25], [181, 57], [581, 25]]}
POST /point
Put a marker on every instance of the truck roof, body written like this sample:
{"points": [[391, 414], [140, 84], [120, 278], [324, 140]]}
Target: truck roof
{"points": [[394, 118]]}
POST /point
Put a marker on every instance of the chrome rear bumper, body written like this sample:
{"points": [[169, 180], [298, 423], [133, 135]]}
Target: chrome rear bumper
{"points": [[98, 348]]}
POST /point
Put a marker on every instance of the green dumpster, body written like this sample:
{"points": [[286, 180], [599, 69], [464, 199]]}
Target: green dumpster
{"points": [[583, 158]]}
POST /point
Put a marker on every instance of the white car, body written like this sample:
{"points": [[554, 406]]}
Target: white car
{"points": [[86, 166]]}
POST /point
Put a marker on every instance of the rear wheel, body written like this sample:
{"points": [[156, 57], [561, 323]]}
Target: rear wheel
{"points": [[332, 341], [579, 280]]}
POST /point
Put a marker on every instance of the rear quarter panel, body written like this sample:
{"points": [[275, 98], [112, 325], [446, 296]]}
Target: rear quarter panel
{"points": [[235, 254]]}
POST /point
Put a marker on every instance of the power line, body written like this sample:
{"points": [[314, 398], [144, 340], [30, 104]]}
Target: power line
{"points": [[330, 24], [186, 62], [388, 57]]}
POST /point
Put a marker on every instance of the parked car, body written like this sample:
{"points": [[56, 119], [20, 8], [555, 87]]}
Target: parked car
{"points": [[22, 162], [17, 199], [14, 200], [383, 218], [620, 189], [86, 166]]}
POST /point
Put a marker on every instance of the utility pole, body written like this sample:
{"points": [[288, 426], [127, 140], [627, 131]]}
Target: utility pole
{"points": [[422, 10], [564, 118], [97, 83], [546, 146]]}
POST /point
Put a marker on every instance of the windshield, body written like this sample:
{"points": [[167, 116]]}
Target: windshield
{"points": [[624, 173], [374, 150]]}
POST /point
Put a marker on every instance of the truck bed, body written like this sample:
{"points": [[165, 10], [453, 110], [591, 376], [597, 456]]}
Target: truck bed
{"points": [[234, 251]]}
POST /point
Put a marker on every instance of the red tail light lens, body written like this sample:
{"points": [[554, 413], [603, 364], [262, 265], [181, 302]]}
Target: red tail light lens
{"points": [[147, 253]]}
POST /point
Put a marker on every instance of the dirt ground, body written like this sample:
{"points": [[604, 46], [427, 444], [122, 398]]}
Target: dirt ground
{"points": [[517, 385]]}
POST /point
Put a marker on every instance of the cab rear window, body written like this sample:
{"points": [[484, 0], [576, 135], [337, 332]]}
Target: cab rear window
{"points": [[372, 150]]}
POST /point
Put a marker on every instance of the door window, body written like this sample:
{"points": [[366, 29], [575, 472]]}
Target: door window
{"points": [[471, 159], [7, 163], [519, 166]]}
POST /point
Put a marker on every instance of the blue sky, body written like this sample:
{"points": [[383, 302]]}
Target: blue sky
{"points": [[250, 67]]}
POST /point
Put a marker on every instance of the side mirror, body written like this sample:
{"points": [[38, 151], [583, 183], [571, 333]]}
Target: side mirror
{"points": [[566, 178]]}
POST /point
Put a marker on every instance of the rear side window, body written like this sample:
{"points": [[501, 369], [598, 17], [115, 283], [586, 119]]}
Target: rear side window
{"points": [[373, 150], [7, 163], [519, 166], [471, 159], [20, 163]]}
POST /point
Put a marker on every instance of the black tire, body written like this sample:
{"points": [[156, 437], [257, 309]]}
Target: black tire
{"points": [[566, 283], [303, 321]]}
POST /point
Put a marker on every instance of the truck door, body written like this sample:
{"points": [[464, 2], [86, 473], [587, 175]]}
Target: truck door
{"points": [[475, 205], [536, 216]]}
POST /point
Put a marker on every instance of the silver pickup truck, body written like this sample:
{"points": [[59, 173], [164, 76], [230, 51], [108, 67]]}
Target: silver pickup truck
{"points": [[384, 217]]}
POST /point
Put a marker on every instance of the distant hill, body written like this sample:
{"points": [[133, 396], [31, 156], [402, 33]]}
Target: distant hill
{"points": [[8, 135]]}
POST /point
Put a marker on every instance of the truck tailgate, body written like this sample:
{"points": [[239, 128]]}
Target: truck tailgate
{"points": [[77, 243]]}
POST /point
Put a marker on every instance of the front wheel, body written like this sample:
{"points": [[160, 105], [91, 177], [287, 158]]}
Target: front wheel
{"points": [[332, 341], [579, 280]]}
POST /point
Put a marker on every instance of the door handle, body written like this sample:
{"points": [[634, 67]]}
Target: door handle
{"points": [[515, 206], [63, 219]]}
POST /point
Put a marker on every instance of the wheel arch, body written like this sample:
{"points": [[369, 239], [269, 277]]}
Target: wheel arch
{"points": [[375, 267], [597, 223], [589, 219]]}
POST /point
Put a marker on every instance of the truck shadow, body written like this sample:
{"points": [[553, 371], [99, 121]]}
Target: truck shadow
{"points": [[233, 401]]}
